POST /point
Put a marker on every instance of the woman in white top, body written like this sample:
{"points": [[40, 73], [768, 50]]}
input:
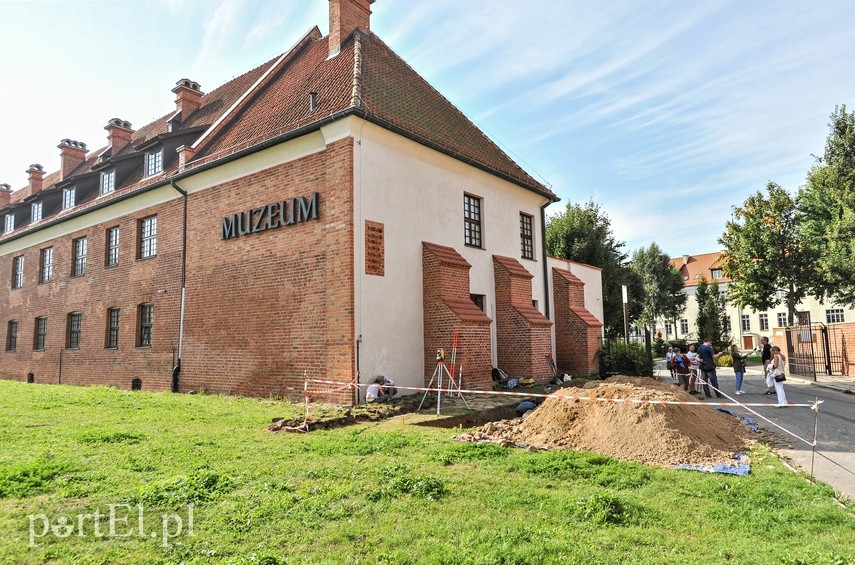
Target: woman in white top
{"points": [[777, 368]]}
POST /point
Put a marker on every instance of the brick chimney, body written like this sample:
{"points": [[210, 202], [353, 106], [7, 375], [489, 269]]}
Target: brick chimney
{"points": [[5, 195], [346, 16], [119, 134], [37, 176], [188, 97], [185, 155], [71, 154]]}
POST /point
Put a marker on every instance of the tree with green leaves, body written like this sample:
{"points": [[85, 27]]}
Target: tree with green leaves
{"points": [[827, 205], [661, 285], [712, 309], [661, 290], [766, 255], [583, 233]]}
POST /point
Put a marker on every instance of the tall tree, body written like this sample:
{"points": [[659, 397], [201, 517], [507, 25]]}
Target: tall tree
{"points": [[661, 285], [827, 203], [583, 233], [711, 314], [661, 291], [766, 256]]}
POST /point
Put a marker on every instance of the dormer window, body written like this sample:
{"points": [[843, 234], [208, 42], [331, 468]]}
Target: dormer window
{"points": [[108, 181], [9, 223], [153, 162], [37, 211], [716, 274], [69, 198]]}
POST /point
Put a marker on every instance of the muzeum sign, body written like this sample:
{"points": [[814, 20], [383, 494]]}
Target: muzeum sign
{"points": [[276, 215]]}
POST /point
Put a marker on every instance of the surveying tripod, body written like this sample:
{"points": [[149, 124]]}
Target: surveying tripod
{"points": [[438, 373]]}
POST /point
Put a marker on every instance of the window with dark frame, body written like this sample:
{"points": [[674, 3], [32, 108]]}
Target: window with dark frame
{"points": [[526, 223], [764, 322], [112, 240], [153, 162], [18, 271], [746, 322], [716, 274], [41, 334], [69, 198], [78, 257], [472, 221], [108, 181], [12, 335], [834, 316], [146, 319], [73, 334], [148, 237], [46, 265], [113, 328], [478, 299]]}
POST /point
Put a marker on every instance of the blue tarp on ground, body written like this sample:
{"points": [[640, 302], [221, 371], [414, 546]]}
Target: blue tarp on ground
{"points": [[739, 465]]}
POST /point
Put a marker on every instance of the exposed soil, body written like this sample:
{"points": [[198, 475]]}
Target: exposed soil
{"points": [[326, 416], [656, 434]]}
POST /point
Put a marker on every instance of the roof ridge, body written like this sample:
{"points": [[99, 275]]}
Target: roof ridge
{"points": [[356, 91], [310, 37]]}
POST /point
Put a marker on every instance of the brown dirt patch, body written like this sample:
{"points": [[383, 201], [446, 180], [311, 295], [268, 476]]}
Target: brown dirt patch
{"points": [[656, 434]]}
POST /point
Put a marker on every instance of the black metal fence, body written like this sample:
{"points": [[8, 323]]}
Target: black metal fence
{"points": [[814, 348]]}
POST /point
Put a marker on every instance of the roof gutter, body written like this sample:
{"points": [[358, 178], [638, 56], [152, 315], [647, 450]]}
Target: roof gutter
{"points": [[281, 139]]}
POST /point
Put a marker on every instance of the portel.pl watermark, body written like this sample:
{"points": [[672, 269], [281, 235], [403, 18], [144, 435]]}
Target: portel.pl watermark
{"points": [[119, 521]]}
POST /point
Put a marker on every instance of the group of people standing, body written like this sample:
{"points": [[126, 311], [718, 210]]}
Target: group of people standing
{"points": [[687, 367]]}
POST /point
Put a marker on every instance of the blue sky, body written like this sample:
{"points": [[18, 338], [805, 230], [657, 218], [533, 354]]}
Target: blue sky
{"points": [[665, 113]]}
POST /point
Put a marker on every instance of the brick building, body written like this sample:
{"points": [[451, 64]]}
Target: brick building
{"points": [[325, 214]]}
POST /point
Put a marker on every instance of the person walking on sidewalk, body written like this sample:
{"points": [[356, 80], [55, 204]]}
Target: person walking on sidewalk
{"points": [[777, 374], [738, 367], [708, 375]]}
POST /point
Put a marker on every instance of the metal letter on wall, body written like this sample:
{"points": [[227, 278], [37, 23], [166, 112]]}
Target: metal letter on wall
{"points": [[271, 216]]}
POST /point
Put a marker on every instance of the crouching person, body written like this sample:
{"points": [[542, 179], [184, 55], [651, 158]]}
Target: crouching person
{"points": [[380, 390]]}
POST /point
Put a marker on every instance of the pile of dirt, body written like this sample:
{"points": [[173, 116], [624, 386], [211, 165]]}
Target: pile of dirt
{"points": [[656, 434]]}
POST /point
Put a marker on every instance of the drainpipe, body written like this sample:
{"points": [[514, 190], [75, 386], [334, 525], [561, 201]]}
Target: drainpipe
{"points": [[358, 341], [176, 371], [543, 253]]}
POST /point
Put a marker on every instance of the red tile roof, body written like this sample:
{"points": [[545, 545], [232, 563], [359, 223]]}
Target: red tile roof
{"points": [[446, 254], [586, 317], [366, 79], [693, 267], [512, 266]]}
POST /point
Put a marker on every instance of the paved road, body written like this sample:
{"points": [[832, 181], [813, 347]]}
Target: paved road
{"points": [[833, 462]]}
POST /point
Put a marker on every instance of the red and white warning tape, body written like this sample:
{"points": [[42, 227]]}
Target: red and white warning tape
{"points": [[568, 397]]}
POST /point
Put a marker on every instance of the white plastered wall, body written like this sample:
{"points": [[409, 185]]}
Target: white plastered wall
{"points": [[417, 194], [591, 276]]}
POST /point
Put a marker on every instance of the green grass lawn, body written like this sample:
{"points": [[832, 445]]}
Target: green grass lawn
{"points": [[388, 492]]}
